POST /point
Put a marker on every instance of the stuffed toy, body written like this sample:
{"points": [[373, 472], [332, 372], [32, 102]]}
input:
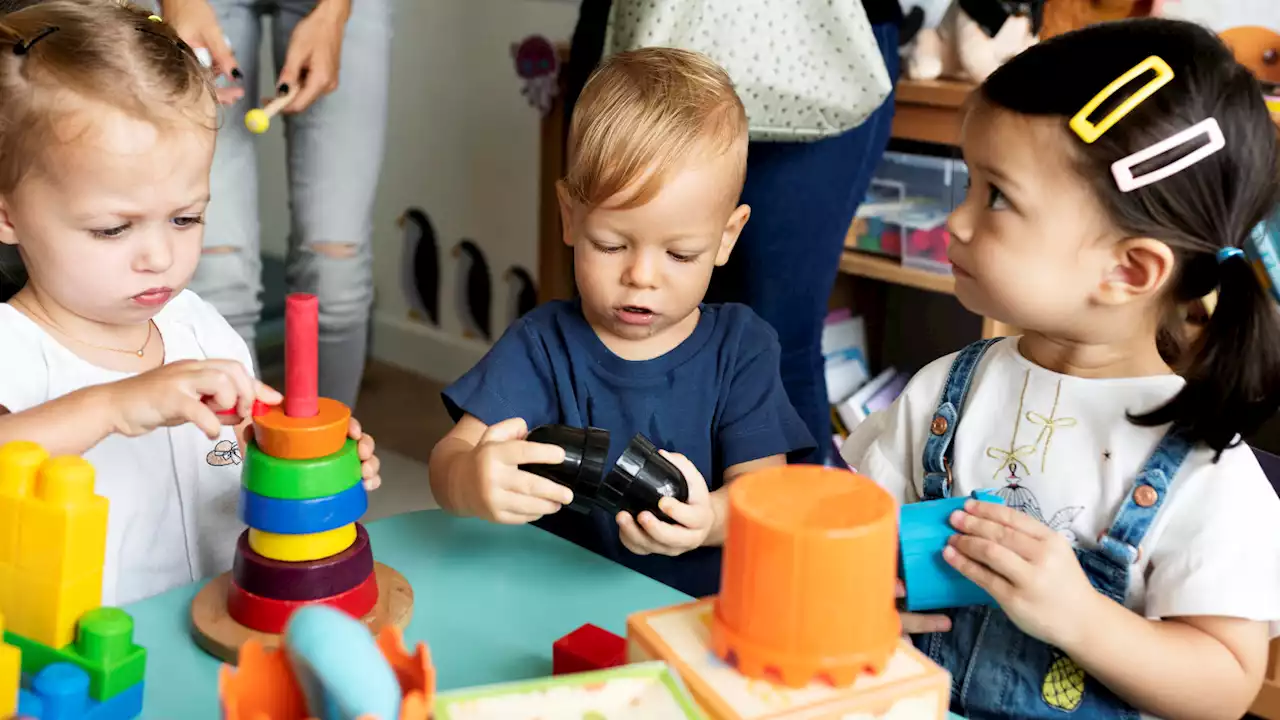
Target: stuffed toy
{"points": [[974, 38], [1065, 15]]}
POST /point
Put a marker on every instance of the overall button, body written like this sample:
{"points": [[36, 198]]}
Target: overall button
{"points": [[939, 426], [1145, 496]]}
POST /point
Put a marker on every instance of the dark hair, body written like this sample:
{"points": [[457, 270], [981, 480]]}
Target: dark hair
{"points": [[1233, 371]]}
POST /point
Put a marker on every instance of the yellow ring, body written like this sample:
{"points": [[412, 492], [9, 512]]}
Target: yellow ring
{"points": [[1088, 131], [302, 548]]}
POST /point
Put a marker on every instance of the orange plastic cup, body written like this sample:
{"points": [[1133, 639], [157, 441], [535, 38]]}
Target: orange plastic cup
{"points": [[807, 587]]}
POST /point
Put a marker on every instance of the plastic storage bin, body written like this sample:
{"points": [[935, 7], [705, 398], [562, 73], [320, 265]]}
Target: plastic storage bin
{"points": [[905, 211]]}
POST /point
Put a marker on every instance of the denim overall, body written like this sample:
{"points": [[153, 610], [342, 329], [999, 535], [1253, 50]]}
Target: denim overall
{"points": [[997, 671]]}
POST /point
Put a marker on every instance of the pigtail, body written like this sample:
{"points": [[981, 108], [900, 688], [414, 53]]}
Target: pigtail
{"points": [[1233, 373]]}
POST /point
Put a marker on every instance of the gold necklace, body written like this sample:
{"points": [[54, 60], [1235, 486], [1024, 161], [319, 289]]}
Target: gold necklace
{"points": [[140, 352]]}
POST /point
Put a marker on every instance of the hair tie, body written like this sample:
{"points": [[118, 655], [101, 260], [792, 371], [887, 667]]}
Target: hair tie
{"points": [[1227, 253], [22, 47]]}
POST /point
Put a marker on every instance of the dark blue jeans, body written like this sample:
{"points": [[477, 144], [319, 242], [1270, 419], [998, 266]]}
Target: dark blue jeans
{"points": [[803, 197]]}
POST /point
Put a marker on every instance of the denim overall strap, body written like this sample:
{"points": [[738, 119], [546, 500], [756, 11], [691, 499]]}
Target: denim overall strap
{"points": [[1121, 541], [938, 447]]}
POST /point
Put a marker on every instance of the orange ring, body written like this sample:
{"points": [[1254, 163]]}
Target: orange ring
{"points": [[270, 616], [290, 438]]}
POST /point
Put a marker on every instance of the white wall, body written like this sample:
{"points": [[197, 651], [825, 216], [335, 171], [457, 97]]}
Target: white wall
{"points": [[462, 146]]}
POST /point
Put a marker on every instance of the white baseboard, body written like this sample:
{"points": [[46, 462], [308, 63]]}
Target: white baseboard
{"points": [[423, 349]]}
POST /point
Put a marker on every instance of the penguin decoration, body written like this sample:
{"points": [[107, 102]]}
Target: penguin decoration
{"points": [[522, 294], [472, 291], [420, 266]]}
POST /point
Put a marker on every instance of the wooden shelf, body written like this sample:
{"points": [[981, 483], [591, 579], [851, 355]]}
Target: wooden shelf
{"points": [[865, 265], [929, 110]]}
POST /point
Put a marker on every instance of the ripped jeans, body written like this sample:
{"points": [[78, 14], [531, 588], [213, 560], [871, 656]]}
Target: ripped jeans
{"points": [[335, 153]]}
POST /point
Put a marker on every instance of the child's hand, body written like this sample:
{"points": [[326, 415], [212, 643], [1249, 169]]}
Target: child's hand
{"points": [[187, 391], [496, 489], [646, 534], [916, 623], [1028, 568], [369, 463]]}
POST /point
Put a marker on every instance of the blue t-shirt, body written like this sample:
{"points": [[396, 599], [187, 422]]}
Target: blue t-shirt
{"points": [[717, 399]]}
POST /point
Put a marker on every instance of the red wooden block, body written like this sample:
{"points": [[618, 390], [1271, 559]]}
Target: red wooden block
{"points": [[587, 648]]}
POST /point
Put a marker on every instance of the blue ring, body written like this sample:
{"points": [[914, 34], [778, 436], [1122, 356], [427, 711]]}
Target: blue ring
{"points": [[300, 517], [1227, 253]]}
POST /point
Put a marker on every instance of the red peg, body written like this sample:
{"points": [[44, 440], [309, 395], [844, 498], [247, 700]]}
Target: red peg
{"points": [[301, 355]]}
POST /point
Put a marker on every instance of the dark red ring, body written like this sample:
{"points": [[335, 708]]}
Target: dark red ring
{"points": [[313, 580]]}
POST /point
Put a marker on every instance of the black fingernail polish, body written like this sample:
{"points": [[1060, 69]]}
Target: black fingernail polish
{"points": [[283, 89], [236, 74]]}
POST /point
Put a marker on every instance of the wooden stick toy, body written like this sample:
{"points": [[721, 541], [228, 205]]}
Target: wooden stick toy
{"points": [[258, 120]]}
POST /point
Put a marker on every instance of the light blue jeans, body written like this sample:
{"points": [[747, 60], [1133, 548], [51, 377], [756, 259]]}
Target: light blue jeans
{"points": [[335, 153]]}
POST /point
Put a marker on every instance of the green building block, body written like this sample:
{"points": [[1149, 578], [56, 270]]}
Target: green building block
{"points": [[103, 648]]}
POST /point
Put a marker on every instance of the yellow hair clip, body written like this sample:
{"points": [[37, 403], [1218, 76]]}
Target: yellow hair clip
{"points": [[1088, 131], [155, 18]]}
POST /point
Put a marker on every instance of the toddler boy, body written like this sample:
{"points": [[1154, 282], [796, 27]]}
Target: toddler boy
{"points": [[657, 156]]}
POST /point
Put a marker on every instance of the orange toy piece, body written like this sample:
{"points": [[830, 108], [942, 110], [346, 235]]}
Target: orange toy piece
{"points": [[303, 438], [263, 686], [808, 578]]}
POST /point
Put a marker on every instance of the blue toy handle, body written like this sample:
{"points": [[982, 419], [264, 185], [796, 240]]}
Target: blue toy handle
{"points": [[931, 583]]}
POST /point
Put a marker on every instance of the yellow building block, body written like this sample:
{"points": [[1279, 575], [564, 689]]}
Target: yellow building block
{"points": [[10, 675], [911, 685], [56, 574], [19, 463]]}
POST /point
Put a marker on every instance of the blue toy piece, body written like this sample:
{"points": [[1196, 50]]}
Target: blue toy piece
{"points": [[341, 671], [61, 692], [931, 583], [301, 517]]}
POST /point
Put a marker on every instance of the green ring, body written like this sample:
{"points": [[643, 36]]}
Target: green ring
{"points": [[300, 479]]}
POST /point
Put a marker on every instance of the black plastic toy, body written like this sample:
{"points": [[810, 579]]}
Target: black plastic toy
{"points": [[639, 479]]}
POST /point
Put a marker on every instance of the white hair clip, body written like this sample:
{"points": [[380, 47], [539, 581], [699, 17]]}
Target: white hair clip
{"points": [[1122, 169]]}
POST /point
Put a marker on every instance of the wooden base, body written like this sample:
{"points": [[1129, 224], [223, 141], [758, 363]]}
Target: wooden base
{"points": [[217, 634]]}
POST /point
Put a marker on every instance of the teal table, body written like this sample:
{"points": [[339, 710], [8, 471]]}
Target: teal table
{"points": [[489, 601]]}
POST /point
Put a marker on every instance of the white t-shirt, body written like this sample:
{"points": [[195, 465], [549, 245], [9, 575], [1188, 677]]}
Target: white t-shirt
{"points": [[173, 492], [1061, 449]]}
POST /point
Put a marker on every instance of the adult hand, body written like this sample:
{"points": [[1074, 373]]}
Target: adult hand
{"points": [[195, 22], [315, 53], [1028, 568], [646, 534]]}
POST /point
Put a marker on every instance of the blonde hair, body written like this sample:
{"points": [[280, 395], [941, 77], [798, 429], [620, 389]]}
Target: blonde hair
{"points": [[59, 55], [642, 114]]}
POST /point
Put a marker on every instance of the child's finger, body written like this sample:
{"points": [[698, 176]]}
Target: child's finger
{"points": [[980, 574], [915, 624], [996, 557], [698, 492], [520, 452], [690, 516], [671, 536], [373, 483], [268, 394], [632, 537], [535, 507], [1005, 515], [365, 447], [1004, 535], [899, 590], [370, 467], [530, 485], [200, 415], [353, 429]]}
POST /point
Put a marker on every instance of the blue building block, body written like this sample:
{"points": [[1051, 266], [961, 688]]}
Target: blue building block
{"points": [[61, 692], [303, 517], [931, 583], [342, 673]]}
